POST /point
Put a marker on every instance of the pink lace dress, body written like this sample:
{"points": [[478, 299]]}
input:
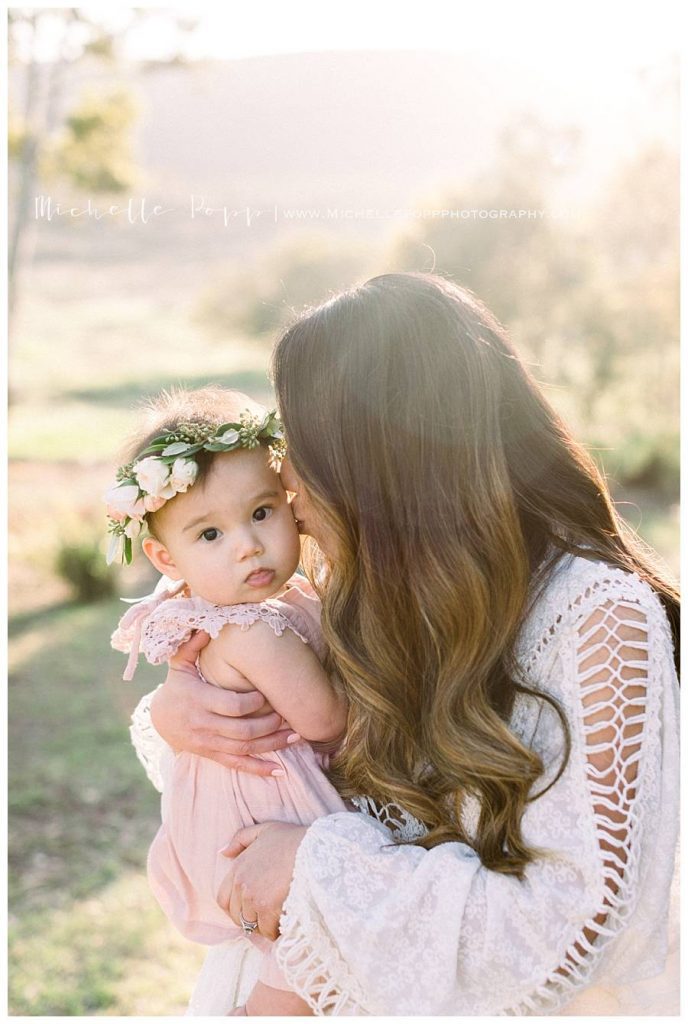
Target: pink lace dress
{"points": [[203, 803]]}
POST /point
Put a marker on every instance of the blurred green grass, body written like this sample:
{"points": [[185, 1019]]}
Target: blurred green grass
{"points": [[79, 373], [85, 934]]}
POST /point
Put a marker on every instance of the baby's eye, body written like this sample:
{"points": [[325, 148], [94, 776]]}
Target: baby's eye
{"points": [[262, 513], [210, 534]]}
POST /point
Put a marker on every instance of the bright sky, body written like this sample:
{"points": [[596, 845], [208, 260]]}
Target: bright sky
{"points": [[542, 31], [544, 34]]}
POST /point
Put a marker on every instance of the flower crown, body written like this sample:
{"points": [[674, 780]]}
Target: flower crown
{"points": [[167, 467]]}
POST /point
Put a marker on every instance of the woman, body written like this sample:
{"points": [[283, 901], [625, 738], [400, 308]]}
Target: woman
{"points": [[507, 646]]}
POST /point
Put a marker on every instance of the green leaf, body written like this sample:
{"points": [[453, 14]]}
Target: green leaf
{"points": [[178, 448], [152, 449], [193, 448]]}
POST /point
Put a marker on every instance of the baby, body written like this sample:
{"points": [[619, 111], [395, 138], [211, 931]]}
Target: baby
{"points": [[203, 478]]}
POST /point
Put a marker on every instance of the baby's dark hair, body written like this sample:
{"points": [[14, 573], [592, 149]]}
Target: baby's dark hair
{"points": [[164, 413]]}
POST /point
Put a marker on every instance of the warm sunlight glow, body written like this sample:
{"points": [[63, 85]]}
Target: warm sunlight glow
{"points": [[536, 32]]}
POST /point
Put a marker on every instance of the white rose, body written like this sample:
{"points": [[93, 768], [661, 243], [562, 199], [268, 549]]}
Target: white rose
{"points": [[229, 437], [132, 529], [124, 501], [153, 477], [152, 504], [183, 474]]}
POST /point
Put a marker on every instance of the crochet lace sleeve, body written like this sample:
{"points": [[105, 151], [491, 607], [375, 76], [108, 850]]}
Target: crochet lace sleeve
{"points": [[403, 930], [148, 744]]}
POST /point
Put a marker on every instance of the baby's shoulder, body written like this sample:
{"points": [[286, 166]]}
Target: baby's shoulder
{"points": [[196, 613], [300, 604]]}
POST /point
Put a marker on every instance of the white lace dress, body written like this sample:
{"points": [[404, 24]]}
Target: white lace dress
{"points": [[369, 929]]}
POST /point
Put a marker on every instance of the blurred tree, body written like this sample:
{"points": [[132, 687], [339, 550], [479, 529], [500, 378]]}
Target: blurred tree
{"points": [[635, 231], [592, 303], [263, 297], [89, 146], [505, 245], [93, 150]]}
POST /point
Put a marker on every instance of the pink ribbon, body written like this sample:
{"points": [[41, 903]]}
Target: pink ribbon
{"points": [[135, 617]]}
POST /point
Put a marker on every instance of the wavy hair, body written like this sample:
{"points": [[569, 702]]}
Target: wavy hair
{"points": [[451, 488]]}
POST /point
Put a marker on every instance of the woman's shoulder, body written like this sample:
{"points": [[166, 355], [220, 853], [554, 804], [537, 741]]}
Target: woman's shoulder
{"points": [[586, 619], [573, 589]]}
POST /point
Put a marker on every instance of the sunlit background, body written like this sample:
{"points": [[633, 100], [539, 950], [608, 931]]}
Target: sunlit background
{"points": [[183, 180]]}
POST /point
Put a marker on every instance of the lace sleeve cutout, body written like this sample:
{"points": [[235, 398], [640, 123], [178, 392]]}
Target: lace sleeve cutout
{"points": [[612, 662]]}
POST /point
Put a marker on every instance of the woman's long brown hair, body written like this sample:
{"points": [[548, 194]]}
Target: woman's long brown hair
{"points": [[451, 487]]}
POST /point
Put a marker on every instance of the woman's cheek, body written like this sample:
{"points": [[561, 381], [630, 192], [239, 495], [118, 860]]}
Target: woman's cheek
{"points": [[294, 538]]}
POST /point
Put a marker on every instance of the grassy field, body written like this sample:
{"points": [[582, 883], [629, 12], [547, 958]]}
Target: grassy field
{"points": [[85, 935]]}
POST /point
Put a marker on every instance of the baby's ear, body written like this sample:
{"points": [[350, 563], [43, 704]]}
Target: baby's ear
{"points": [[159, 556]]}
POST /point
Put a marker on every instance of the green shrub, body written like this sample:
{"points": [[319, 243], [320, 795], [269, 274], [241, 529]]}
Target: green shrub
{"points": [[81, 564], [261, 298]]}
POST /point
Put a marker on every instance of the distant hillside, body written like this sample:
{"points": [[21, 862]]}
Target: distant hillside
{"points": [[347, 128], [361, 127]]}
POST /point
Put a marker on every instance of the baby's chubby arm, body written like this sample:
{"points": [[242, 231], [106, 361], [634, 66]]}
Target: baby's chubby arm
{"points": [[288, 674]]}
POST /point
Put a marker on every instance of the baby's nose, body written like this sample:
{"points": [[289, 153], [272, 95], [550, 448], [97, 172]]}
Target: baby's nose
{"points": [[248, 545]]}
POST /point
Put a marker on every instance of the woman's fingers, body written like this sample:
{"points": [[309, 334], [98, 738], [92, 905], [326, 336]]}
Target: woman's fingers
{"points": [[242, 727], [234, 905], [230, 704], [233, 898], [224, 893], [242, 839], [186, 655], [233, 895], [260, 873]]}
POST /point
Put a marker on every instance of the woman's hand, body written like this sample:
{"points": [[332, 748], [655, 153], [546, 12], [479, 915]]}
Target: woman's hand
{"points": [[264, 865], [194, 716]]}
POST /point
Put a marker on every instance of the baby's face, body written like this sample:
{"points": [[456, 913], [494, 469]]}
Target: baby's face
{"points": [[232, 537]]}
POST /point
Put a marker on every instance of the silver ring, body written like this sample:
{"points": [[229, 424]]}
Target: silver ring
{"points": [[248, 926]]}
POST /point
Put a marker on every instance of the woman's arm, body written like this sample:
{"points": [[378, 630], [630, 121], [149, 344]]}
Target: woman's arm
{"points": [[288, 674], [377, 930]]}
